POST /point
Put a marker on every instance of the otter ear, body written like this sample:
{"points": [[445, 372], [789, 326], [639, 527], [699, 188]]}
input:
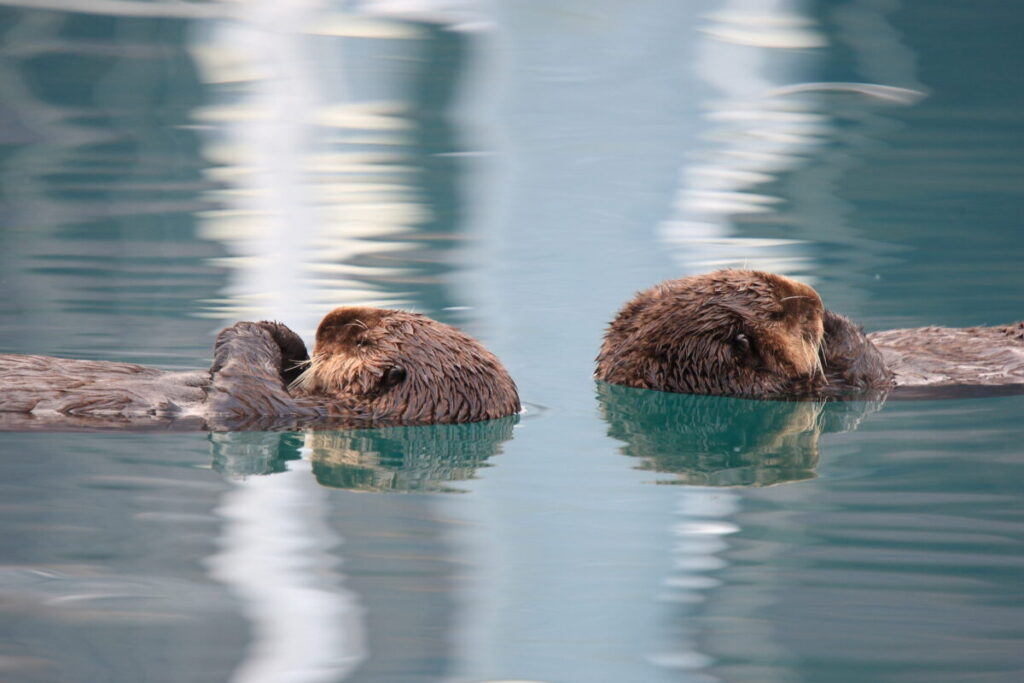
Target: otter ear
{"points": [[393, 376]]}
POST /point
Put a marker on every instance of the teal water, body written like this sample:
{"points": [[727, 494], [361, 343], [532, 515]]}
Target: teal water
{"points": [[518, 169]]}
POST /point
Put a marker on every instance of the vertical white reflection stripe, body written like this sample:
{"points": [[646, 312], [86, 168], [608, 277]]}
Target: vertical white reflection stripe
{"points": [[278, 556], [755, 138]]}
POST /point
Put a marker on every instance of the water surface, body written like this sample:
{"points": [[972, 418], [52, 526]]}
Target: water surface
{"points": [[518, 169]]}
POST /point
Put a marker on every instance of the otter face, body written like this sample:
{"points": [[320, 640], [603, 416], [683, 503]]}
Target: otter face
{"points": [[404, 368], [730, 332]]}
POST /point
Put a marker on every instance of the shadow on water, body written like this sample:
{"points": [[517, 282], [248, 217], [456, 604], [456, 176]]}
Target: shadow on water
{"points": [[387, 459], [719, 441]]}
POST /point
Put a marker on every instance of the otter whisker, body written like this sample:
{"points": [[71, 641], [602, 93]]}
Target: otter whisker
{"points": [[795, 296], [819, 369], [301, 381], [307, 378], [287, 368], [819, 360]]}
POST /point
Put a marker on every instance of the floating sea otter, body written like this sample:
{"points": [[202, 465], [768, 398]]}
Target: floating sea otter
{"points": [[369, 367], [759, 335]]}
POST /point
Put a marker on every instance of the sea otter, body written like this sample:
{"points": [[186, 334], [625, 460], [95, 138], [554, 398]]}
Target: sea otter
{"points": [[753, 334], [370, 367], [403, 368]]}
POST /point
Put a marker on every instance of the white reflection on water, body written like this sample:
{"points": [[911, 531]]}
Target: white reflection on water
{"points": [[764, 25], [324, 136], [279, 557], [768, 125], [299, 203], [699, 542]]}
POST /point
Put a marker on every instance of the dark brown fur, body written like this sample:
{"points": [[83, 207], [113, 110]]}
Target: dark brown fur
{"points": [[738, 333], [400, 367], [852, 364]]}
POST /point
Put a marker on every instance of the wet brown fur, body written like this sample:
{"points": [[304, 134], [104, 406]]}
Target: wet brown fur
{"points": [[352, 380], [404, 368], [954, 362], [738, 333]]}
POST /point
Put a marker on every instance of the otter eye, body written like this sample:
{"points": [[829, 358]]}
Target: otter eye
{"points": [[741, 344], [777, 315], [392, 376]]}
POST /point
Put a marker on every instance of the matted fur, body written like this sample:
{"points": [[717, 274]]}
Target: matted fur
{"points": [[971, 361], [371, 368], [398, 367], [737, 333]]}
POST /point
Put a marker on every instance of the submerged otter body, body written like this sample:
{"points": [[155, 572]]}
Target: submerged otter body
{"points": [[752, 334], [402, 368]]}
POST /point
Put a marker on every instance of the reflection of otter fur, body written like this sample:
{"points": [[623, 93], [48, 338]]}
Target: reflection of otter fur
{"points": [[385, 459], [394, 459], [760, 335], [370, 367], [716, 441]]}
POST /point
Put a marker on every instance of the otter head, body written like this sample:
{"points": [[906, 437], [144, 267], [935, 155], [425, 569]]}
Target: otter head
{"points": [[730, 332], [397, 367]]}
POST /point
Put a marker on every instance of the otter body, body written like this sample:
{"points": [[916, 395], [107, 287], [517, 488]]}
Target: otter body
{"points": [[402, 368], [954, 361], [752, 334]]}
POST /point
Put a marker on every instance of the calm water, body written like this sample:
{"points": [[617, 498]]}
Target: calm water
{"points": [[518, 169]]}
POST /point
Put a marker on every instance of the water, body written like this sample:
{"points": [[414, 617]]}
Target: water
{"points": [[518, 169]]}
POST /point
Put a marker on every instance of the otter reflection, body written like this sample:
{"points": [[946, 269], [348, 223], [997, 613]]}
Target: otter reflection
{"points": [[386, 459], [717, 441]]}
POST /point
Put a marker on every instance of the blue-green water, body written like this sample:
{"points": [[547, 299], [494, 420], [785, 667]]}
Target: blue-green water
{"points": [[518, 169]]}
